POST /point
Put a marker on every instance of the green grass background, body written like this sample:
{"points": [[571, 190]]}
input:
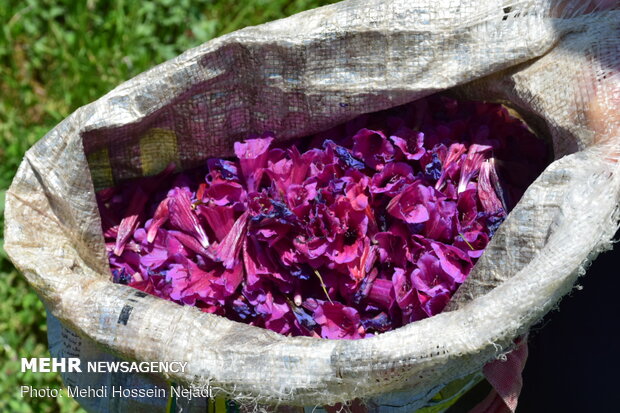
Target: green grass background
{"points": [[55, 56]]}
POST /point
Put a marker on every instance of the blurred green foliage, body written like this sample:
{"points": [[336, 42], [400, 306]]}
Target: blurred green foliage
{"points": [[55, 56]]}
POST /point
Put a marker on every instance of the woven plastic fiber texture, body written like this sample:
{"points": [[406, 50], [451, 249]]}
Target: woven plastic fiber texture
{"points": [[557, 63]]}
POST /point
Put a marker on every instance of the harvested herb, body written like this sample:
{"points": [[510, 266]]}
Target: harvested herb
{"points": [[352, 232]]}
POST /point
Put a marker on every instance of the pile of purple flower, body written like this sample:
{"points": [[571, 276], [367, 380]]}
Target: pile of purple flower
{"points": [[348, 233]]}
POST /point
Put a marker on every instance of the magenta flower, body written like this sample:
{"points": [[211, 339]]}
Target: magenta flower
{"points": [[392, 178], [338, 321], [154, 255], [488, 188], [355, 191], [410, 143], [411, 205], [453, 261], [442, 221], [451, 163], [472, 242], [253, 157], [222, 192], [228, 250], [407, 297], [188, 242], [300, 197], [373, 225], [350, 232], [161, 216], [429, 277], [366, 261], [130, 222], [183, 217], [373, 148], [220, 219], [435, 304], [392, 248], [471, 166]]}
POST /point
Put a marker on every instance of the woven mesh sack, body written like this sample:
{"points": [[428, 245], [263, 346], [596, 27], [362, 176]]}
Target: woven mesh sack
{"points": [[556, 63]]}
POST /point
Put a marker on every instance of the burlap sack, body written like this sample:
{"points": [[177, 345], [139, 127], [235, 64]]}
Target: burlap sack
{"points": [[557, 65]]}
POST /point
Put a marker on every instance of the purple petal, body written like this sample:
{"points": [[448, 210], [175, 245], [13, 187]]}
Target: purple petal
{"points": [[130, 222], [435, 304], [392, 248], [471, 166], [373, 148], [190, 242], [486, 190], [409, 142], [253, 155], [219, 218], [453, 261], [228, 250], [392, 178], [160, 217], [411, 204], [451, 163], [441, 224], [222, 192], [338, 321], [430, 278], [182, 215]]}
